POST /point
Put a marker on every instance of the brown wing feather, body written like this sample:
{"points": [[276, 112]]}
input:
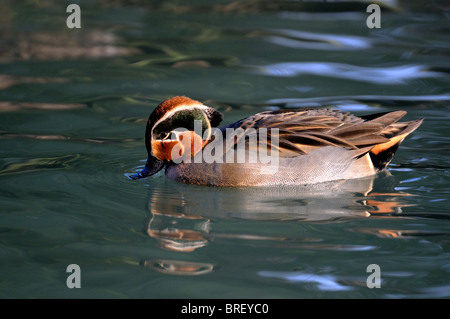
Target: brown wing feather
{"points": [[300, 131], [352, 131]]}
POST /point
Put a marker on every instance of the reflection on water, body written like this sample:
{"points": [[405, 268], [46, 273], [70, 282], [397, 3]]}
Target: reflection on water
{"points": [[17, 106], [176, 267], [429, 292], [181, 220], [401, 233], [7, 81], [390, 75], [39, 164], [89, 44], [314, 41], [323, 282], [165, 228], [67, 138]]}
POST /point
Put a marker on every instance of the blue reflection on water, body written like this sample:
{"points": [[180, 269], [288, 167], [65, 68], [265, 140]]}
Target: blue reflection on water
{"points": [[382, 75], [324, 282], [317, 41]]}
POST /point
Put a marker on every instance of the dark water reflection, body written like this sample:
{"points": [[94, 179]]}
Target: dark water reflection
{"points": [[312, 203], [180, 218]]}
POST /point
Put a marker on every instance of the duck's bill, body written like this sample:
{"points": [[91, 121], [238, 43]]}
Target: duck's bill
{"points": [[152, 167]]}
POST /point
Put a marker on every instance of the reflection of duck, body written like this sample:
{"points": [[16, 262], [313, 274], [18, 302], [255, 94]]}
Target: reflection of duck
{"points": [[181, 221], [176, 267], [307, 146], [181, 216]]}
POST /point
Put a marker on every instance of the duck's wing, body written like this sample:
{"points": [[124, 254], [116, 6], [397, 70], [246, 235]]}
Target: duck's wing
{"points": [[301, 131]]}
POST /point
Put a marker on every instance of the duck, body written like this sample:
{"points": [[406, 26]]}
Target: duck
{"points": [[280, 147]]}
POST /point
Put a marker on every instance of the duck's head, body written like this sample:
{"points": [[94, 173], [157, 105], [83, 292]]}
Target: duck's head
{"points": [[173, 132]]}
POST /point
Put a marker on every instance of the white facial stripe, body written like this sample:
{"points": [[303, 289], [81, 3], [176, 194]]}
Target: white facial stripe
{"points": [[177, 109], [170, 139]]}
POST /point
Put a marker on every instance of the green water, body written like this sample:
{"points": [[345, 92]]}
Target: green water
{"points": [[73, 107]]}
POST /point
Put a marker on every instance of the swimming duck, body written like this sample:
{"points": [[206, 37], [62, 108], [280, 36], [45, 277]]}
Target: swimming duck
{"points": [[282, 147]]}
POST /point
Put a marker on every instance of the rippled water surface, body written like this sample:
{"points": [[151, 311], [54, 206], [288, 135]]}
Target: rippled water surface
{"points": [[73, 108]]}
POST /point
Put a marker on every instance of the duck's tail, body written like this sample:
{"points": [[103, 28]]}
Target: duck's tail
{"points": [[382, 154]]}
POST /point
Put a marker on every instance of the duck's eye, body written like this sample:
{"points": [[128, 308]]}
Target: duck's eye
{"points": [[163, 135]]}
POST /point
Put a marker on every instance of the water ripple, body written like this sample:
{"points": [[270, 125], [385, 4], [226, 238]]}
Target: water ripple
{"points": [[385, 75], [429, 292], [362, 102], [323, 282], [35, 164], [316, 41]]}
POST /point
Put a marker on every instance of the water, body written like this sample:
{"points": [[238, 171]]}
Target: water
{"points": [[73, 107]]}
